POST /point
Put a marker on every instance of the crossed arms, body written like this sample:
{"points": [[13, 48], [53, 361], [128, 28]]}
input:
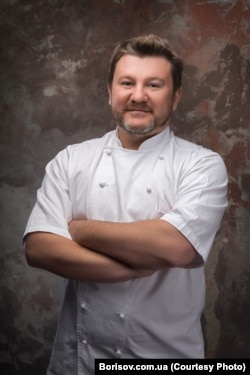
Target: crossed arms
{"points": [[103, 251]]}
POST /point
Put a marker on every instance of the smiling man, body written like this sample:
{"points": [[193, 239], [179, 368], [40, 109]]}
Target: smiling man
{"points": [[142, 96], [129, 220]]}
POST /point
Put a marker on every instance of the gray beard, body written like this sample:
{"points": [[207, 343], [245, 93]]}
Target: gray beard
{"points": [[154, 124]]}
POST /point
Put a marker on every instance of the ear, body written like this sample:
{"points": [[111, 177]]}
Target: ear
{"points": [[177, 97], [109, 92]]}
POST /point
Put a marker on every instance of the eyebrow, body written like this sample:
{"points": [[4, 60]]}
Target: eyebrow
{"points": [[147, 79]]}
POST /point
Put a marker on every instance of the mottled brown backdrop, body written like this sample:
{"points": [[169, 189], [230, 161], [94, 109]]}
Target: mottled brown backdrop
{"points": [[53, 72]]}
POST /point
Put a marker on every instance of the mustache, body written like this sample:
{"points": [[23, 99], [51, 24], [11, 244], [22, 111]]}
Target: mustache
{"points": [[135, 107]]}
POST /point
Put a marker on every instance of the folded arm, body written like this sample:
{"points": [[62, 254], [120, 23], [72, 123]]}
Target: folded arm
{"points": [[151, 244], [66, 258]]}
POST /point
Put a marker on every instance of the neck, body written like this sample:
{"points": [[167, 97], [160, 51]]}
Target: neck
{"points": [[134, 141], [131, 141]]}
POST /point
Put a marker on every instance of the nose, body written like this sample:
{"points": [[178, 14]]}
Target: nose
{"points": [[139, 94]]}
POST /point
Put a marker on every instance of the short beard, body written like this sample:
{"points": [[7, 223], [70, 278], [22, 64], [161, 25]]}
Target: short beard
{"points": [[139, 130]]}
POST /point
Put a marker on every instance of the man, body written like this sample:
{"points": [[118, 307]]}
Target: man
{"points": [[129, 220]]}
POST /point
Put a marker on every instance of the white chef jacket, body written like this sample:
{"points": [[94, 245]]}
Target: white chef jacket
{"points": [[152, 317]]}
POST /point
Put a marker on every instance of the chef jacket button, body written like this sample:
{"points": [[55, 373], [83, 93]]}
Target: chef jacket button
{"points": [[108, 152], [118, 352], [102, 184], [83, 306], [84, 341], [149, 189], [122, 315], [161, 157]]}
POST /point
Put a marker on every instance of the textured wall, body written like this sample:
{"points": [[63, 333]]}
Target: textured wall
{"points": [[53, 71]]}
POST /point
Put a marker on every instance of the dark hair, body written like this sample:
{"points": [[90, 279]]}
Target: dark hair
{"points": [[148, 45]]}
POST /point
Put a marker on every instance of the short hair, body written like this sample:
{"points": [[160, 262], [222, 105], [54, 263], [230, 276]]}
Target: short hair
{"points": [[148, 45]]}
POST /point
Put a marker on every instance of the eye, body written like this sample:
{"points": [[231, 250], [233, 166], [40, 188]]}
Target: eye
{"points": [[154, 85], [126, 83]]}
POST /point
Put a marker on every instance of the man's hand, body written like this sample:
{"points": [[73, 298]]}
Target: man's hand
{"points": [[73, 226]]}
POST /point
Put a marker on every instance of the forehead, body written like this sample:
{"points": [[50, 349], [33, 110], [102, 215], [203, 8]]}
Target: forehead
{"points": [[148, 66]]}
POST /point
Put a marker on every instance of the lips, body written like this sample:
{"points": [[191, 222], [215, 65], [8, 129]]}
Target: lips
{"points": [[136, 109]]}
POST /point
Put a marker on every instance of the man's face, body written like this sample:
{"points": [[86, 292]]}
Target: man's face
{"points": [[142, 96]]}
